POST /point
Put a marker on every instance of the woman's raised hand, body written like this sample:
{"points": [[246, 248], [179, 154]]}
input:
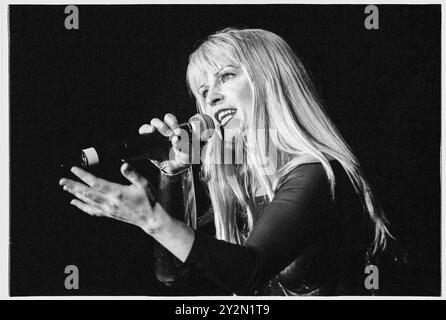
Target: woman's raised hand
{"points": [[178, 160], [135, 203]]}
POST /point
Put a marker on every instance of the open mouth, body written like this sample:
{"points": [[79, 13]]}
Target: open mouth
{"points": [[223, 116]]}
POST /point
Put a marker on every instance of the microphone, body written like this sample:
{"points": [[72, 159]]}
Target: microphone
{"points": [[154, 146]]}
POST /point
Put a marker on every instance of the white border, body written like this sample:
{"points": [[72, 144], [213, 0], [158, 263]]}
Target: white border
{"points": [[199, 2], [4, 158], [4, 155]]}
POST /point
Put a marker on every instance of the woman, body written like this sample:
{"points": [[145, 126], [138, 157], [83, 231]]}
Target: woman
{"points": [[298, 218]]}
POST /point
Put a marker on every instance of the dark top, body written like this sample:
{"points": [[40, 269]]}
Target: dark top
{"points": [[303, 242]]}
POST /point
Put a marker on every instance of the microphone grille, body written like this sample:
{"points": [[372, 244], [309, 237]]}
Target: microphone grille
{"points": [[206, 125]]}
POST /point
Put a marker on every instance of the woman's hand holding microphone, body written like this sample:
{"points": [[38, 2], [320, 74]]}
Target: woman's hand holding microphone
{"points": [[178, 160]]}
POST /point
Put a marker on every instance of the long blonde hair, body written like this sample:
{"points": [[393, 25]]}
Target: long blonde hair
{"points": [[284, 100]]}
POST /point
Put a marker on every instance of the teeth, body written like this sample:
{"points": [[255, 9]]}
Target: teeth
{"points": [[223, 114], [226, 119]]}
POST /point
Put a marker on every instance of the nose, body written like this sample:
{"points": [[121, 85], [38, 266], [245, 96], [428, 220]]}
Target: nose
{"points": [[214, 97]]}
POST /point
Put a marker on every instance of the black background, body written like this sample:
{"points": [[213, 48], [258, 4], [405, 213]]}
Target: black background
{"points": [[70, 89]]}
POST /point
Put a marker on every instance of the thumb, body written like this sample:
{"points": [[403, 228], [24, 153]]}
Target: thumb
{"points": [[136, 179], [131, 175]]}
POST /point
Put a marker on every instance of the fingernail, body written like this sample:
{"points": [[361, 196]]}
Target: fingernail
{"points": [[72, 202], [61, 182]]}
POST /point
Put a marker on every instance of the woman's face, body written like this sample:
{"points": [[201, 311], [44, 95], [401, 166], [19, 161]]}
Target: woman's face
{"points": [[228, 98]]}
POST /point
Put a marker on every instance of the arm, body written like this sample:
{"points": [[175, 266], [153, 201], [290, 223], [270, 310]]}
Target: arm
{"points": [[174, 235], [176, 196], [295, 219], [289, 224], [168, 268]]}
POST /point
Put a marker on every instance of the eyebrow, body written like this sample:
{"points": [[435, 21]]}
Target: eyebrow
{"points": [[218, 71]]}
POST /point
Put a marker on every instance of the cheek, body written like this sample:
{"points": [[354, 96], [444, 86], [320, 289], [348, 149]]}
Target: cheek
{"points": [[246, 98], [207, 110], [246, 93], [210, 112]]}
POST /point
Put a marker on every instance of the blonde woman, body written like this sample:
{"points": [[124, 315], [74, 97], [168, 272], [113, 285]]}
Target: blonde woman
{"points": [[294, 215]]}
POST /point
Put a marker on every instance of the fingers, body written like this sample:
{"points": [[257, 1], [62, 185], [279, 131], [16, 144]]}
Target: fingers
{"points": [[146, 128], [166, 127], [94, 182], [172, 122], [131, 175], [86, 208], [181, 157], [88, 195], [176, 141], [162, 127]]}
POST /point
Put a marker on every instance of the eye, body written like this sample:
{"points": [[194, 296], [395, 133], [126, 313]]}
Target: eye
{"points": [[226, 76], [204, 93]]}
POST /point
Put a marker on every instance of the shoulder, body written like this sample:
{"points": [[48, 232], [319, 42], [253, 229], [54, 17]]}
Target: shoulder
{"points": [[305, 185], [306, 172]]}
